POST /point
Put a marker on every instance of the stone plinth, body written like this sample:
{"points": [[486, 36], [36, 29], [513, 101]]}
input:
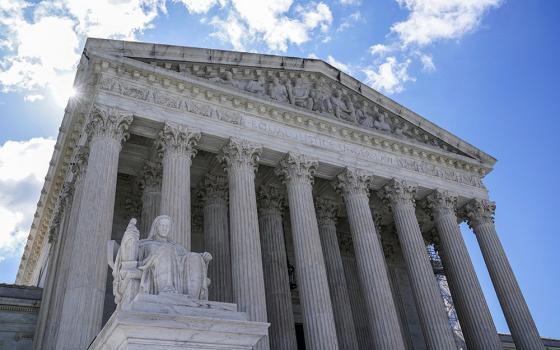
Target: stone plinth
{"points": [[175, 321]]}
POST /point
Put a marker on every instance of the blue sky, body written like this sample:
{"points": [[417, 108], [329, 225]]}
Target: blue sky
{"points": [[486, 70]]}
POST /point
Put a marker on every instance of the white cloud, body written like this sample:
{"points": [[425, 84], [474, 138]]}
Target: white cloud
{"points": [[268, 20], [432, 20], [350, 21], [429, 21], [427, 63], [350, 2], [34, 62], [342, 66], [33, 98], [389, 76], [198, 6], [380, 49], [23, 165]]}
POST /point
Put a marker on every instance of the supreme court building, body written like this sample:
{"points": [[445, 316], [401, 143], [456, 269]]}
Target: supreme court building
{"points": [[331, 211]]}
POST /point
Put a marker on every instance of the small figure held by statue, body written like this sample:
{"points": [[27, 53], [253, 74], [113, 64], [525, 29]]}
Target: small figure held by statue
{"points": [[156, 265]]}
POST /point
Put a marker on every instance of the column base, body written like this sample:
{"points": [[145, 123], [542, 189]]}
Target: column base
{"points": [[175, 321]]}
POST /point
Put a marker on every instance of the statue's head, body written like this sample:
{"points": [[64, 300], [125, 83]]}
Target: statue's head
{"points": [[161, 228]]}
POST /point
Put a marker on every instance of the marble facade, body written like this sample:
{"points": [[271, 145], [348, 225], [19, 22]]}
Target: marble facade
{"points": [[268, 162]]}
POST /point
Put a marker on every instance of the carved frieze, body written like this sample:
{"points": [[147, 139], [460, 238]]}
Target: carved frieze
{"points": [[164, 99], [313, 92]]}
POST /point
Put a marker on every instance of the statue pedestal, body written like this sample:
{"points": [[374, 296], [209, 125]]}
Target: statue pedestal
{"points": [[175, 321]]}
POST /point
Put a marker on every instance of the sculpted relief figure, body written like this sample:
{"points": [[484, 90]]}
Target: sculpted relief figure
{"points": [[256, 86], [321, 99], [156, 265], [299, 94], [277, 90], [381, 122]]}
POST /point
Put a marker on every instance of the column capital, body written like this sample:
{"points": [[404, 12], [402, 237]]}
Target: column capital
{"points": [[440, 202], [352, 182], [296, 167], [270, 199], [150, 177], [214, 187], [238, 153], [109, 122], [327, 211], [479, 211], [175, 139], [79, 163], [399, 192]]}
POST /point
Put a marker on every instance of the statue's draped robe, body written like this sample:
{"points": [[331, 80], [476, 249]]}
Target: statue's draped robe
{"points": [[169, 267]]}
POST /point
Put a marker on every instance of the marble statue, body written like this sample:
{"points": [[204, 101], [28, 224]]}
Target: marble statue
{"points": [[157, 264]]}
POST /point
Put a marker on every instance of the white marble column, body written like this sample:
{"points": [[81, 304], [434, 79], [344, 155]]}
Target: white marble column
{"points": [[51, 290], [282, 331], [326, 210], [85, 289], [480, 217], [431, 310], [176, 143], [474, 315], [214, 198], [77, 167], [372, 269], [318, 320], [240, 158], [150, 184]]}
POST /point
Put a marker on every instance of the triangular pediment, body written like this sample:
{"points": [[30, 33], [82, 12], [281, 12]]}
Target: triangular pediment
{"points": [[309, 85]]}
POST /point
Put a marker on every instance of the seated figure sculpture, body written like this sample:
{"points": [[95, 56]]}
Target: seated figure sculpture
{"points": [[156, 265]]}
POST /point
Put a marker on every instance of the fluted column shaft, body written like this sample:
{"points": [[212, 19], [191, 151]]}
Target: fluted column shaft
{"points": [[318, 319], [240, 159], [151, 196], [216, 236], [476, 321], [67, 244], [431, 310], [480, 214], [83, 303], [177, 146], [357, 303], [282, 331], [326, 210], [372, 269], [51, 289]]}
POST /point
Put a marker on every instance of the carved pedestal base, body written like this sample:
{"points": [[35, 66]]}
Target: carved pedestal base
{"points": [[174, 321]]}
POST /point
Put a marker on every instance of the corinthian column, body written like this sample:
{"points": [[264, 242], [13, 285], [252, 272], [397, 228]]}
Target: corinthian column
{"points": [[85, 289], [480, 217], [150, 184], [370, 261], [431, 311], [318, 319], [326, 210], [214, 195], [474, 315], [177, 143], [275, 264], [240, 159]]}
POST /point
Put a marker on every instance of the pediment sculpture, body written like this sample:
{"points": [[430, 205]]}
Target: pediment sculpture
{"points": [[317, 95], [156, 265]]}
